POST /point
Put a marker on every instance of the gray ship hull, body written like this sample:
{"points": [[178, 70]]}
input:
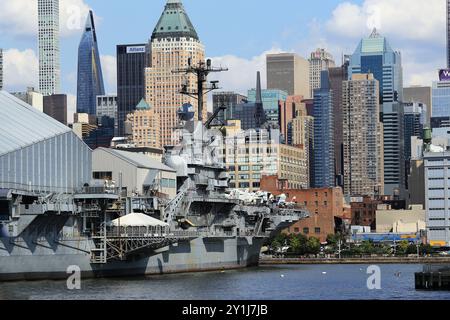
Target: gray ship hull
{"points": [[42, 260]]}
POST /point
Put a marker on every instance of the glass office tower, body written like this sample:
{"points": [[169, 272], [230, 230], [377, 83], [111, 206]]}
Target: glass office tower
{"points": [[374, 55], [324, 169], [90, 77]]}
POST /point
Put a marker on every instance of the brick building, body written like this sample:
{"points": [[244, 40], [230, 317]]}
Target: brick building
{"points": [[364, 211], [325, 207]]}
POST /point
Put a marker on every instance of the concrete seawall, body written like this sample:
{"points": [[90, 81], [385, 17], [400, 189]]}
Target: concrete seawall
{"points": [[371, 260]]}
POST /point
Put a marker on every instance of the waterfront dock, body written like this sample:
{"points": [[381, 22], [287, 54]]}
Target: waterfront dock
{"points": [[364, 260], [433, 277]]}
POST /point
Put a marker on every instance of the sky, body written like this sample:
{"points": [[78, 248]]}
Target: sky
{"points": [[236, 33]]}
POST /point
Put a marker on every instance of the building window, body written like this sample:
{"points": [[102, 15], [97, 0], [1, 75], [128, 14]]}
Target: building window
{"points": [[317, 230], [306, 230], [296, 230], [102, 175]]}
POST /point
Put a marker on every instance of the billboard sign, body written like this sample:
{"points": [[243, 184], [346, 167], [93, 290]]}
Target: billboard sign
{"points": [[444, 75], [140, 49]]}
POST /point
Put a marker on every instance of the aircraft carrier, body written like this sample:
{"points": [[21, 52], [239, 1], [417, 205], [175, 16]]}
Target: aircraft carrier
{"points": [[47, 228]]}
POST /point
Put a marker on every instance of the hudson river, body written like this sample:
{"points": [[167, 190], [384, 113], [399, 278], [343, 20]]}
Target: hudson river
{"points": [[293, 282]]}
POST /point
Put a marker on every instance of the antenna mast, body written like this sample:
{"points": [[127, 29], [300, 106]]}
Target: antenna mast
{"points": [[201, 71]]}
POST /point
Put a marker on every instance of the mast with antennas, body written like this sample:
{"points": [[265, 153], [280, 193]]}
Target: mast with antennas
{"points": [[201, 70]]}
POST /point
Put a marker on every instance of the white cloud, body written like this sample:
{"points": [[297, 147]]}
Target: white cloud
{"points": [[19, 17], [21, 69], [347, 19], [242, 72], [109, 68], [413, 20], [415, 28]]}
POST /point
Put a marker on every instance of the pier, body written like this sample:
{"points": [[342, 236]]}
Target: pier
{"points": [[433, 278]]}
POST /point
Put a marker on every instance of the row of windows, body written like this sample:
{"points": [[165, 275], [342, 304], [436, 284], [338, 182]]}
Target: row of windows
{"points": [[306, 230]]}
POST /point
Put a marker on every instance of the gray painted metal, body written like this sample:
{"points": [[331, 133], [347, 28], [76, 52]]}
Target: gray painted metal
{"points": [[22, 125], [37, 153], [137, 159]]}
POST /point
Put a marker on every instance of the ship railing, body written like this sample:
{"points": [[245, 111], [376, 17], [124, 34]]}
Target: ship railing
{"points": [[188, 234], [101, 190], [136, 232], [37, 189]]}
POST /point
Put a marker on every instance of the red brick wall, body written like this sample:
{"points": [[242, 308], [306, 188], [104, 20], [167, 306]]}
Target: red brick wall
{"points": [[364, 213], [322, 204]]}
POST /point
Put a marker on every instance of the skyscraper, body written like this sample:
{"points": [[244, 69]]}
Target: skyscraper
{"points": [[319, 61], [287, 112], [448, 34], [415, 119], [363, 137], [132, 59], [174, 45], [375, 55], [107, 108], [90, 77], [49, 53], [419, 94], [440, 113], [1, 69], [288, 72], [337, 76], [301, 133], [324, 175]]}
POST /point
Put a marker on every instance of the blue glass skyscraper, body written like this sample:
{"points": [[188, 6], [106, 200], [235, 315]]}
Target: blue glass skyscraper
{"points": [[375, 55], [90, 77], [324, 168]]}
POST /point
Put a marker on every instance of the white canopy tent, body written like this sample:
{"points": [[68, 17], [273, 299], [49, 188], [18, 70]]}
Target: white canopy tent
{"points": [[136, 219]]}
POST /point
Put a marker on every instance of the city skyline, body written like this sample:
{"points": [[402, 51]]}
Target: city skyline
{"points": [[311, 29]]}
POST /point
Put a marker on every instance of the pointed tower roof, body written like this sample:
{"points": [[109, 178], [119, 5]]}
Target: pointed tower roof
{"points": [[143, 105], [174, 22], [258, 88], [375, 43], [90, 25]]}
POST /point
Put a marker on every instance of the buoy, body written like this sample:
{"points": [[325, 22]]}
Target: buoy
{"points": [[282, 276], [324, 272]]}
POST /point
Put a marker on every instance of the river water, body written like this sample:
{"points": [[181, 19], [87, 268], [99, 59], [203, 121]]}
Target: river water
{"points": [[292, 282]]}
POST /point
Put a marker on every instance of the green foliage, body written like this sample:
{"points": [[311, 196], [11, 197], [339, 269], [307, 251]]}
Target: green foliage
{"points": [[402, 247], [313, 246], [426, 249], [367, 248], [279, 241], [412, 249]]}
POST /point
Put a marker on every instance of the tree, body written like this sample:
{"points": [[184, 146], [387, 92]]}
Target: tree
{"points": [[402, 247], [412, 249], [367, 247], [279, 241], [313, 246], [295, 244], [298, 243], [426, 249]]}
